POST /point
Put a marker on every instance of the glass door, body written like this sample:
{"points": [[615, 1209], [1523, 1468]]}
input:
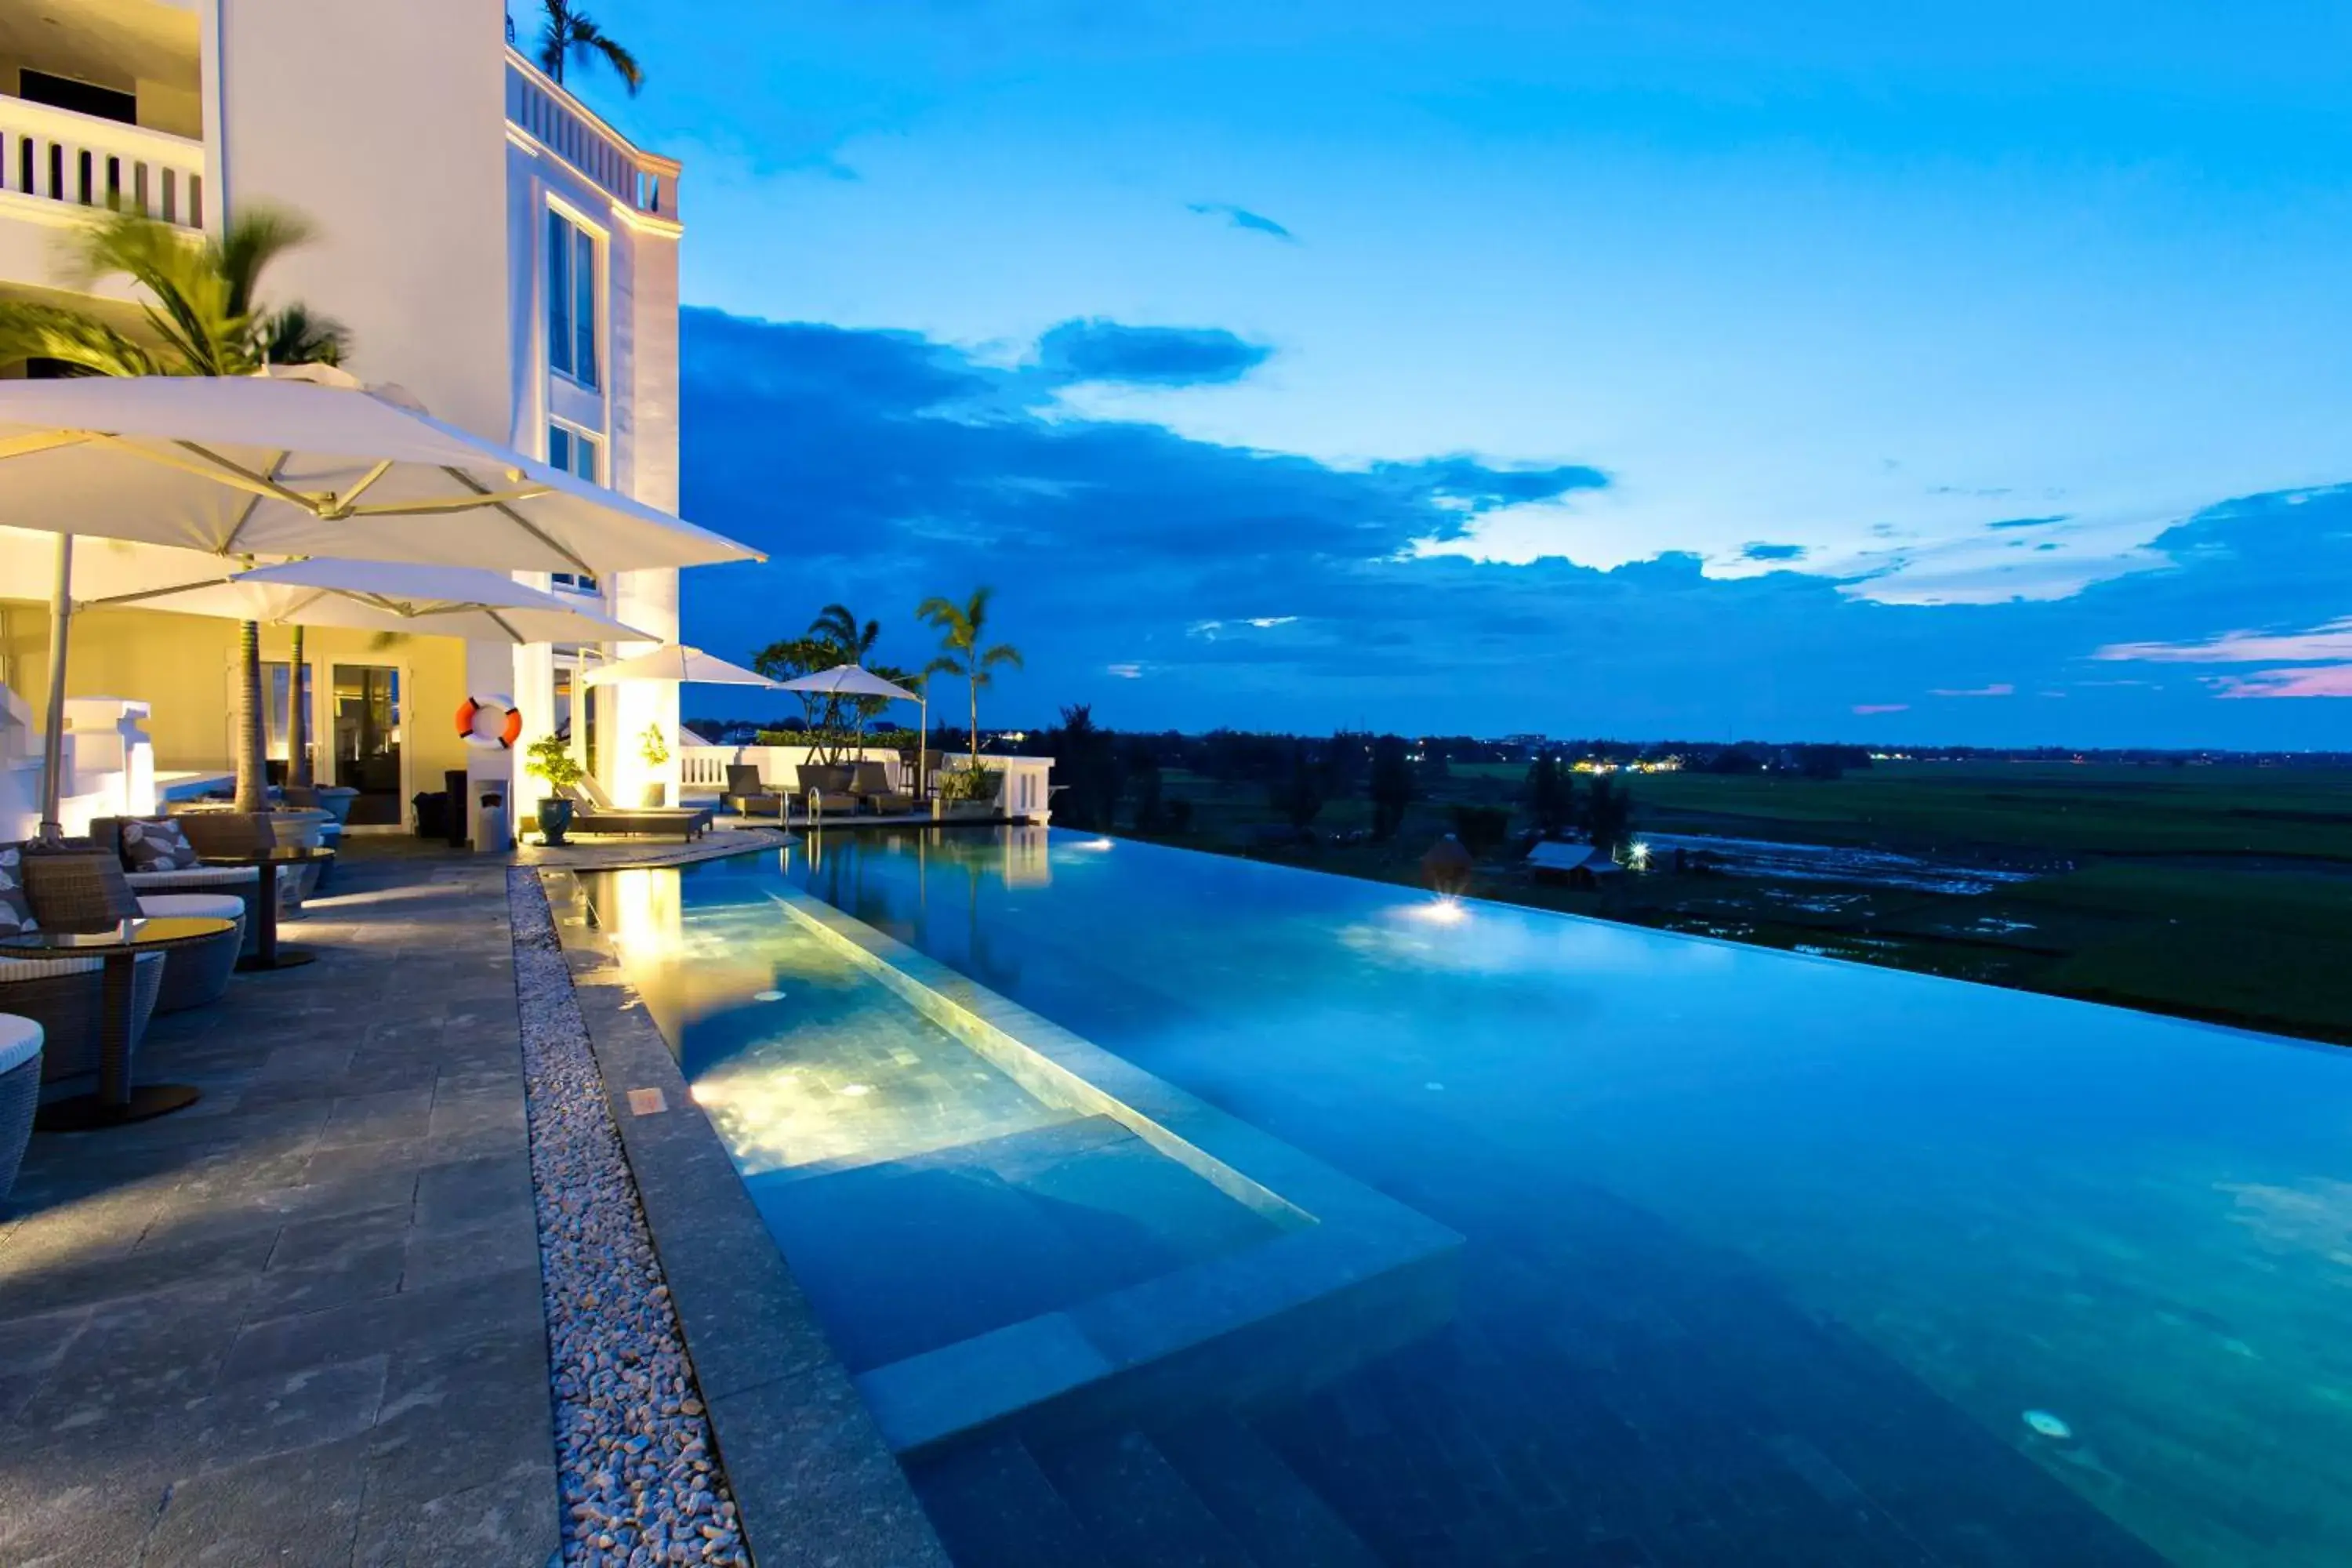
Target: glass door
{"points": [[367, 739]]}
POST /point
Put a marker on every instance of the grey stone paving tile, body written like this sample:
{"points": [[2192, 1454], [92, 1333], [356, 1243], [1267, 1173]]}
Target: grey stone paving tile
{"points": [[62, 1512], [301, 1509], [437, 1315], [69, 1281], [508, 1523], [450, 1417], [122, 1389], [436, 1256], [468, 1192], [253, 1417], [197, 1216], [469, 1113], [380, 1116]]}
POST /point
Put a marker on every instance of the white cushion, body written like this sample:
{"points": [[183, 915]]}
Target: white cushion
{"points": [[199, 876], [201, 906], [20, 1041]]}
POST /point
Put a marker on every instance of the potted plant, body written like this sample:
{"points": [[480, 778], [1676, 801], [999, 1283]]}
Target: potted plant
{"points": [[970, 792], [653, 747], [549, 758]]}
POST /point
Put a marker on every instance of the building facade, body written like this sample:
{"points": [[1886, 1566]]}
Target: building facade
{"points": [[497, 250]]}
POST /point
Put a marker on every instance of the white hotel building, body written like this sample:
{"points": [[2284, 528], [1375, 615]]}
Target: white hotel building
{"points": [[494, 247]]}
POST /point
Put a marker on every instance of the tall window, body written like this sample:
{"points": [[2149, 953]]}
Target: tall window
{"points": [[571, 300], [576, 452]]}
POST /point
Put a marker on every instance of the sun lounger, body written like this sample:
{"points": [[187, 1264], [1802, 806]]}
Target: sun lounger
{"points": [[748, 794], [594, 812], [871, 781]]}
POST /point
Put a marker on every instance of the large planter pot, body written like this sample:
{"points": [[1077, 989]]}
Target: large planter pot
{"points": [[554, 818], [336, 801], [657, 797]]}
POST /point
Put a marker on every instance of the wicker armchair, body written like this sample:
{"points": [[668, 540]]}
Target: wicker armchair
{"points": [[20, 1092], [242, 883], [66, 998], [89, 890]]}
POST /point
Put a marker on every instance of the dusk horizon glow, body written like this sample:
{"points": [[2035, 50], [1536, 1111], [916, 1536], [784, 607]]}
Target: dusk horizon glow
{"points": [[1951, 378]]}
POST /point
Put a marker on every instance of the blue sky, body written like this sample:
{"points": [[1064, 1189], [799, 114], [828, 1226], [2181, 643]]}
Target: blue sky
{"points": [[1968, 373]]}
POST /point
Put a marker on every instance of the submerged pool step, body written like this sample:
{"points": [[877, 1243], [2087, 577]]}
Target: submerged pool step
{"points": [[1138, 1506], [993, 1507], [1279, 1518], [1205, 1493]]}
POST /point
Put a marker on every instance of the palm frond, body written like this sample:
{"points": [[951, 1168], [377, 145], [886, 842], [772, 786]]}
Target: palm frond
{"points": [[189, 298], [624, 64], [295, 336], [1003, 653], [255, 237], [69, 337]]}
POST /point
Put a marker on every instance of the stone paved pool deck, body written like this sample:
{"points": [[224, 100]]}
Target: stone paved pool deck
{"points": [[302, 1321]]}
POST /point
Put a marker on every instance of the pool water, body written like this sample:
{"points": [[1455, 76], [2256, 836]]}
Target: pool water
{"points": [[1770, 1258]]}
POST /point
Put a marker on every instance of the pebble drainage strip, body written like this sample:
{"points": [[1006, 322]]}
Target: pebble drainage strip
{"points": [[633, 1458]]}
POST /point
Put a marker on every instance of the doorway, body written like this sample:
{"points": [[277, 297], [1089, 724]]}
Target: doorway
{"points": [[367, 745]]}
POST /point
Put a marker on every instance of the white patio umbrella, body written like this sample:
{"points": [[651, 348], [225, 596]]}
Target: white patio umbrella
{"points": [[675, 662], [386, 595], [279, 465], [856, 681], [306, 463]]}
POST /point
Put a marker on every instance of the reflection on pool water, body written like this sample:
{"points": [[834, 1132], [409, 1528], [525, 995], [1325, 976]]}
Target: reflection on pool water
{"points": [[1770, 1260]]}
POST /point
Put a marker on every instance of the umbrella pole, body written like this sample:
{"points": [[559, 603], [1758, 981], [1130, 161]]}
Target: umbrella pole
{"points": [[53, 738]]}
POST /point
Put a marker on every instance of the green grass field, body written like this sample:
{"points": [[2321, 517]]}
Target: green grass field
{"points": [[2223, 893]]}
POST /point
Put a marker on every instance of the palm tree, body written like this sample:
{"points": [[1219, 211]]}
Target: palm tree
{"points": [[570, 33], [202, 308], [961, 630]]}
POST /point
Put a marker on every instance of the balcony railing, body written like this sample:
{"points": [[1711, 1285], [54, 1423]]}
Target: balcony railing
{"points": [[641, 181], [55, 155]]}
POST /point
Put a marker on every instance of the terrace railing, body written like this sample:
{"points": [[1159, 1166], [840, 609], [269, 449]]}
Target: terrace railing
{"points": [[55, 155], [643, 182]]}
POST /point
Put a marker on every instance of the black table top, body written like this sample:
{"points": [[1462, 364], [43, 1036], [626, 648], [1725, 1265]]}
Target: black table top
{"points": [[276, 855]]}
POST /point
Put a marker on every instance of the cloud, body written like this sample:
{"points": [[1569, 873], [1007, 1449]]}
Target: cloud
{"points": [[1760, 551], [1242, 218], [1867, 709], [1998, 688], [2328, 680], [1099, 350], [2330, 641], [2027, 521], [2327, 647], [877, 466]]}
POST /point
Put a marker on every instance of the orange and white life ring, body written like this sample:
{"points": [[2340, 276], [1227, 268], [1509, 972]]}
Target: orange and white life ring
{"points": [[494, 721]]}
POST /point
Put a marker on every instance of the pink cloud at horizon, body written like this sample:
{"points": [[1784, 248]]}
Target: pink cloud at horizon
{"points": [[2323, 680], [2332, 640]]}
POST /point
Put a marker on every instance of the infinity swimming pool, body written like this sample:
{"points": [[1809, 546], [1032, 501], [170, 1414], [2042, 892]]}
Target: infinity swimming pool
{"points": [[1770, 1259]]}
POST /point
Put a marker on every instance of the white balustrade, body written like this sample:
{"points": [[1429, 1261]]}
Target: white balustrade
{"points": [[641, 181], [55, 155]]}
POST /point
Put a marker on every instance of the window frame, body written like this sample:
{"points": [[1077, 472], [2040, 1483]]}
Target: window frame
{"points": [[567, 286]]}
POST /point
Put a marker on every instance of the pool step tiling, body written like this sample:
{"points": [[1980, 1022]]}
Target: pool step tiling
{"points": [[1310, 1274], [905, 1256], [1203, 1494]]}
